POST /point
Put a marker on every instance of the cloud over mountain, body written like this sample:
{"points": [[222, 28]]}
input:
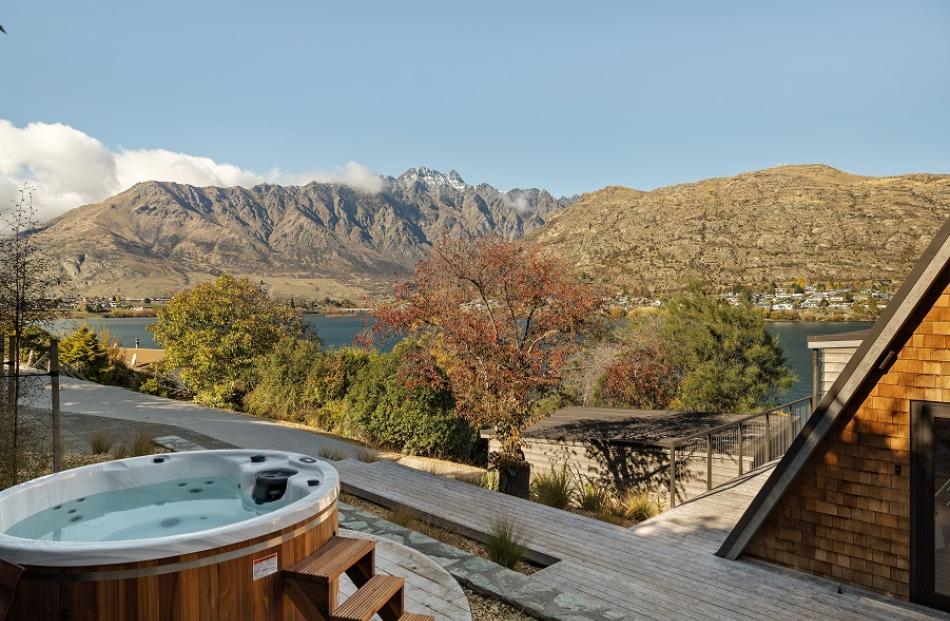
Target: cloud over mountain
{"points": [[69, 168]]}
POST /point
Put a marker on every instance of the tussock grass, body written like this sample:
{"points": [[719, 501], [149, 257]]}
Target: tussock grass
{"points": [[368, 456], [554, 488], [331, 453], [505, 543], [593, 498], [141, 444], [638, 506], [100, 443]]}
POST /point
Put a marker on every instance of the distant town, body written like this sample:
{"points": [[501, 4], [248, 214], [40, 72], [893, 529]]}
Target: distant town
{"points": [[808, 302]]}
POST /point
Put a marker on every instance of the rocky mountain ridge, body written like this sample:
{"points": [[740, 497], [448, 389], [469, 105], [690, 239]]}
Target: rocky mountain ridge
{"points": [[775, 225], [311, 241]]}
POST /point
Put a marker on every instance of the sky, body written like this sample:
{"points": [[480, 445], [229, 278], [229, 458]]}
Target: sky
{"points": [[567, 96]]}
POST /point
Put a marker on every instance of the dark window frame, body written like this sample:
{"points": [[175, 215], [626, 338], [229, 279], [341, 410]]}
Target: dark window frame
{"points": [[922, 589]]}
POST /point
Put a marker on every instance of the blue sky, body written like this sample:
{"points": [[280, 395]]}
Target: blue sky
{"points": [[570, 96]]}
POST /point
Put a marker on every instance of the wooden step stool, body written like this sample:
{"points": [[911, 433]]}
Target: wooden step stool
{"points": [[313, 585]]}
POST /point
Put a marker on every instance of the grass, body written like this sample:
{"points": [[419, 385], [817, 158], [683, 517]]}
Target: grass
{"points": [[331, 453], [505, 543], [554, 489], [141, 444], [100, 443], [639, 506], [593, 498], [368, 456], [487, 479]]}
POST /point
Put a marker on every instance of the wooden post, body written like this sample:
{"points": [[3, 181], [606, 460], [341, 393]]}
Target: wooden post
{"points": [[672, 476], [768, 438], [708, 461], [4, 421], [739, 438], [54, 398], [12, 448], [815, 377]]}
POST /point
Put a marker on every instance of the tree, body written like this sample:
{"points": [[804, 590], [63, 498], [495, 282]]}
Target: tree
{"points": [[83, 351], [214, 333], [27, 279], [501, 319], [730, 362], [643, 376]]}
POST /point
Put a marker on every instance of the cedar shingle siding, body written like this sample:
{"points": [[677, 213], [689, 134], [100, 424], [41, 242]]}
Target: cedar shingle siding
{"points": [[846, 516]]}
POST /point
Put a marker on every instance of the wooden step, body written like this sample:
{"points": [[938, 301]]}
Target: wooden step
{"points": [[335, 557], [382, 594], [411, 616], [313, 583]]}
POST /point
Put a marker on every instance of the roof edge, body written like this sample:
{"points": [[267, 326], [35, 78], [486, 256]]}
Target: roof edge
{"points": [[872, 360]]}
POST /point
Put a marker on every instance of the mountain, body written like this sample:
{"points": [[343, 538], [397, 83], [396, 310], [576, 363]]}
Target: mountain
{"points": [[307, 241], [774, 225]]}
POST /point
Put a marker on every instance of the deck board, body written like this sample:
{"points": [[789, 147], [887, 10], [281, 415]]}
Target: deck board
{"points": [[663, 568]]}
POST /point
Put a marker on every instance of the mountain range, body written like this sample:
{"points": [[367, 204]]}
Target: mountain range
{"points": [[316, 240], [310, 241]]}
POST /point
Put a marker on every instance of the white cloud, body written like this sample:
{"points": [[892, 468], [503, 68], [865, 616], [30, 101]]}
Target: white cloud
{"points": [[518, 202], [69, 168], [354, 175]]}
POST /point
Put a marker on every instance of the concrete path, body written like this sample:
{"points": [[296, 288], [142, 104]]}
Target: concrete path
{"points": [[82, 397]]}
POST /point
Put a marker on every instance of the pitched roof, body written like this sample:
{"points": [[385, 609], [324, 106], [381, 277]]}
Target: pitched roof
{"points": [[870, 362]]}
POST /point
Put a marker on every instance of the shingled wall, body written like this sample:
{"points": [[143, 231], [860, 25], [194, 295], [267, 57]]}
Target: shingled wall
{"points": [[847, 514]]}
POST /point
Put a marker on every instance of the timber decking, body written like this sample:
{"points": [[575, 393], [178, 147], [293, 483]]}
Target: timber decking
{"points": [[664, 568]]}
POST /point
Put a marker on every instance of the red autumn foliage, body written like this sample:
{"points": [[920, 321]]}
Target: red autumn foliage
{"points": [[501, 319], [642, 376]]}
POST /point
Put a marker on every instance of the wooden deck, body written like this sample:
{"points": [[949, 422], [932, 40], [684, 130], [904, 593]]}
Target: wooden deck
{"points": [[664, 568], [429, 588]]}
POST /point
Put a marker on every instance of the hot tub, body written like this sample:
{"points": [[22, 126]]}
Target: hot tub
{"points": [[197, 535]]}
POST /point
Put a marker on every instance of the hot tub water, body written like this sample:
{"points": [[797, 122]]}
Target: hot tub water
{"points": [[157, 510]]}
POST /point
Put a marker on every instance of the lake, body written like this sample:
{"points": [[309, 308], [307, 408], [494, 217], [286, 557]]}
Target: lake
{"points": [[336, 331]]}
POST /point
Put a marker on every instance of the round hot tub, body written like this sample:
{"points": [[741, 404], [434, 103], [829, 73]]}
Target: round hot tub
{"points": [[197, 535]]}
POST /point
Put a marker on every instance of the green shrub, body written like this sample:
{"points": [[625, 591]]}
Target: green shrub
{"points": [[554, 488], [281, 379], [84, 352], [505, 543], [297, 381], [385, 408]]}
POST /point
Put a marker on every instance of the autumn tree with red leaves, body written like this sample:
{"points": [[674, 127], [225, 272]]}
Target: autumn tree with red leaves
{"points": [[501, 318]]}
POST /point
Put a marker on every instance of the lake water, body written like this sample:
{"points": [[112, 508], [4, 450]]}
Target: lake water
{"points": [[338, 331], [793, 336]]}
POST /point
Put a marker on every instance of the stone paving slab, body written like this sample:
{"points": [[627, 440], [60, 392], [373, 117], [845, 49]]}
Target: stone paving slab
{"points": [[484, 576]]}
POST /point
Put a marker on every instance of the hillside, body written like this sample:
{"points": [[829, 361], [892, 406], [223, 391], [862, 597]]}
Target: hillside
{"points": [[774, 225], [308, 241]]}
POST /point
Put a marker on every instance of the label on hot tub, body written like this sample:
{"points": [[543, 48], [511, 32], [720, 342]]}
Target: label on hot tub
{"points": [[264, 566]]}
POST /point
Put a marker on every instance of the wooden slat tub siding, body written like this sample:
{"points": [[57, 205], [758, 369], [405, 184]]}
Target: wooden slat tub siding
{"points": [[222, 591]]}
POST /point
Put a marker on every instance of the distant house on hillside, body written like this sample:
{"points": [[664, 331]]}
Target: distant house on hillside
{"points": [[862, 496]]}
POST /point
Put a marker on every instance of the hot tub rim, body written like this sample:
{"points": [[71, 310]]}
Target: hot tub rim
{"points": [[42, 553]]}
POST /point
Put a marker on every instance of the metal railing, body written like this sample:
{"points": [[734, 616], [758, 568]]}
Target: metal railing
{"points": [[705, 460]]}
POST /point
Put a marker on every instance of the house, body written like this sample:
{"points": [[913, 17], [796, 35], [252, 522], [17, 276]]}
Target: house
{"points": [[861, 494], [830, 354]]}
